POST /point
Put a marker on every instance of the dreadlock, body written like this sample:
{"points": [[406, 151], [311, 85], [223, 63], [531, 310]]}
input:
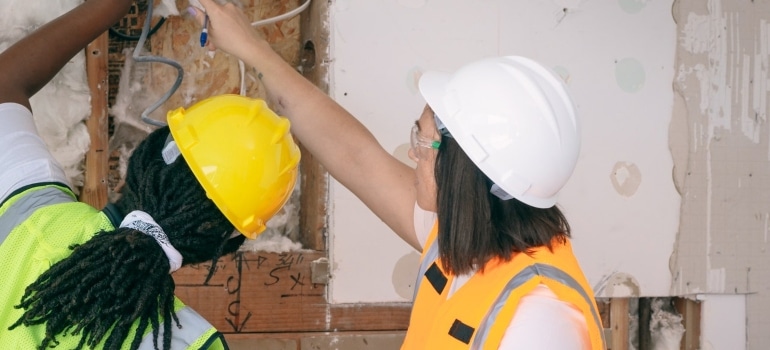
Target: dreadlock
{"points": [[121, 277]]}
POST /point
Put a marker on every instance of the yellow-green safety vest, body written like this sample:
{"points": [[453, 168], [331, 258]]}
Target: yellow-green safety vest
{"points": [[37, 227]]}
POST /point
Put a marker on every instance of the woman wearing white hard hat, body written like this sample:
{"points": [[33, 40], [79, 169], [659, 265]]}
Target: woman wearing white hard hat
{"points": [[495, 143]]}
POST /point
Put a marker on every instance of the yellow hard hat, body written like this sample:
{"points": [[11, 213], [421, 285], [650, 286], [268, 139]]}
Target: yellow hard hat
{"points": [[242, 154]]}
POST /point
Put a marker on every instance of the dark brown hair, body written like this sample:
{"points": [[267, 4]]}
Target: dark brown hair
{"points": [[475, 226]]}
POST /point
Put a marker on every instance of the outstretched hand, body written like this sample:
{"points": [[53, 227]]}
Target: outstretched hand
{"points": [[228, 27]]}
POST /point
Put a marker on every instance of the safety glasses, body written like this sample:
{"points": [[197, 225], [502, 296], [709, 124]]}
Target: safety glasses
{"points": [[420, 144]]}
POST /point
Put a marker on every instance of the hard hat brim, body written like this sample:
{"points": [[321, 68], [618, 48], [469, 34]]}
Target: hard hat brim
{"points": [[432, 86]]}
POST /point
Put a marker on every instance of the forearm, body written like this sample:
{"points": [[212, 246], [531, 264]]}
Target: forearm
{"points": [[340, 142], [30, 63], [331, 133]]}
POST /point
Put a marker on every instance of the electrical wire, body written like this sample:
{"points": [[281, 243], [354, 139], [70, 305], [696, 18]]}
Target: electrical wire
{"points": [[139, 58], [284, 16], [264, 22], [146, 31], [127, 37]]}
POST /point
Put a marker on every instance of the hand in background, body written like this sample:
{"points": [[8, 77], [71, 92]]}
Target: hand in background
{"points": [[228, 28]]}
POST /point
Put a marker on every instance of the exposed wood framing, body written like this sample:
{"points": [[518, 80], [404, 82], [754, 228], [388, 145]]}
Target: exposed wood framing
{"points": [[619, 324], [95, 183], [614, 313], [256, 295], [314, 65], [690, 311], [259, 292]]}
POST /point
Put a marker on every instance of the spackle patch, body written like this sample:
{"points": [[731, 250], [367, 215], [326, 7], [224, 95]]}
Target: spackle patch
{"points": [[413, 79], [403, 275], [626, 178], [402, 153], [621, 285]]}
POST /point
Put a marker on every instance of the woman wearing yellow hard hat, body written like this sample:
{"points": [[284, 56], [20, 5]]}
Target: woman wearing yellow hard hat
{"points": [[77, 277], [494, 145], [242, 154]]}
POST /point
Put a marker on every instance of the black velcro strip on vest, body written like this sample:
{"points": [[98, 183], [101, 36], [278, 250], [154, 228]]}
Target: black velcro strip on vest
{"points": [[436, 278], [461, 331]]}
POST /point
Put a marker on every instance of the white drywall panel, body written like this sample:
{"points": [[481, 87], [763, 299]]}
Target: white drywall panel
{"points": [[723, 322], [617, 58]]}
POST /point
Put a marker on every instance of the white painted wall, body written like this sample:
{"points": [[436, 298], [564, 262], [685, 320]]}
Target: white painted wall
{"points": [[723, 322], [616, 56]]}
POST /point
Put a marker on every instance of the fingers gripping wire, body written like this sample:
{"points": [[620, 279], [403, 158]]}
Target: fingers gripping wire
{"points": [[180, 71]]}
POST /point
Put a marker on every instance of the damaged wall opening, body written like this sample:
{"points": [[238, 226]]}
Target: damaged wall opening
{"points": [[651, 323], [135, 85], [275, 286]]}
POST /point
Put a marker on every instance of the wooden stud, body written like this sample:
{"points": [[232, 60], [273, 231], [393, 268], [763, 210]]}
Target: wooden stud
{"points": [[690, 311], [95, 183], [258, 292], [314, 38], [619, 323]]}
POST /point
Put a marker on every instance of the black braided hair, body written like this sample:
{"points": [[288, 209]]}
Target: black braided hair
{"points": [[120, 277]]}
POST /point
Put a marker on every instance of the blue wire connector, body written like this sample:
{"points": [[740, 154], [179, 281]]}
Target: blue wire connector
{"points": [[205, 31]]}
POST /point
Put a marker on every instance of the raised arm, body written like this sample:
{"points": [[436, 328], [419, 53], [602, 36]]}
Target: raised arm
{"points": [[339, 141], [30, 63]]}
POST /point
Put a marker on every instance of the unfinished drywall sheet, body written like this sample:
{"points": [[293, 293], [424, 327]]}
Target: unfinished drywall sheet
{"points": [[722, 169], [616, 56]]}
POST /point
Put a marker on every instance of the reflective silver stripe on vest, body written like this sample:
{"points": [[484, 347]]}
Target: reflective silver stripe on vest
{"points": [[23, 208], [522, 277], [193, 327], [430, 256]]}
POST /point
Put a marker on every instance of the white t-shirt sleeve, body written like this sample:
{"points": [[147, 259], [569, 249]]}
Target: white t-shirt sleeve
{"points": [[543, 322], [24, 157], [423, 223]]}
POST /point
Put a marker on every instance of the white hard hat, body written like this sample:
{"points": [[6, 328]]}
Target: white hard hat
{"points": [[515, 120]]}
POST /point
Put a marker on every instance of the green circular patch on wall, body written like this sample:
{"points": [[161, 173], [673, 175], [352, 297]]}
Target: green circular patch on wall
{"points": [[629, 74], [632, 6]]}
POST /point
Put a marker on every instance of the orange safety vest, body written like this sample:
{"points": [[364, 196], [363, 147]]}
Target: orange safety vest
{"points": [[478, 314]]}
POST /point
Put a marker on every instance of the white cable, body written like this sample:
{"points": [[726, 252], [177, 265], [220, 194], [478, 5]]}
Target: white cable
{"points": [[286, 15], [242, 70], [266, 21], [150, 58], [180, 71]]}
